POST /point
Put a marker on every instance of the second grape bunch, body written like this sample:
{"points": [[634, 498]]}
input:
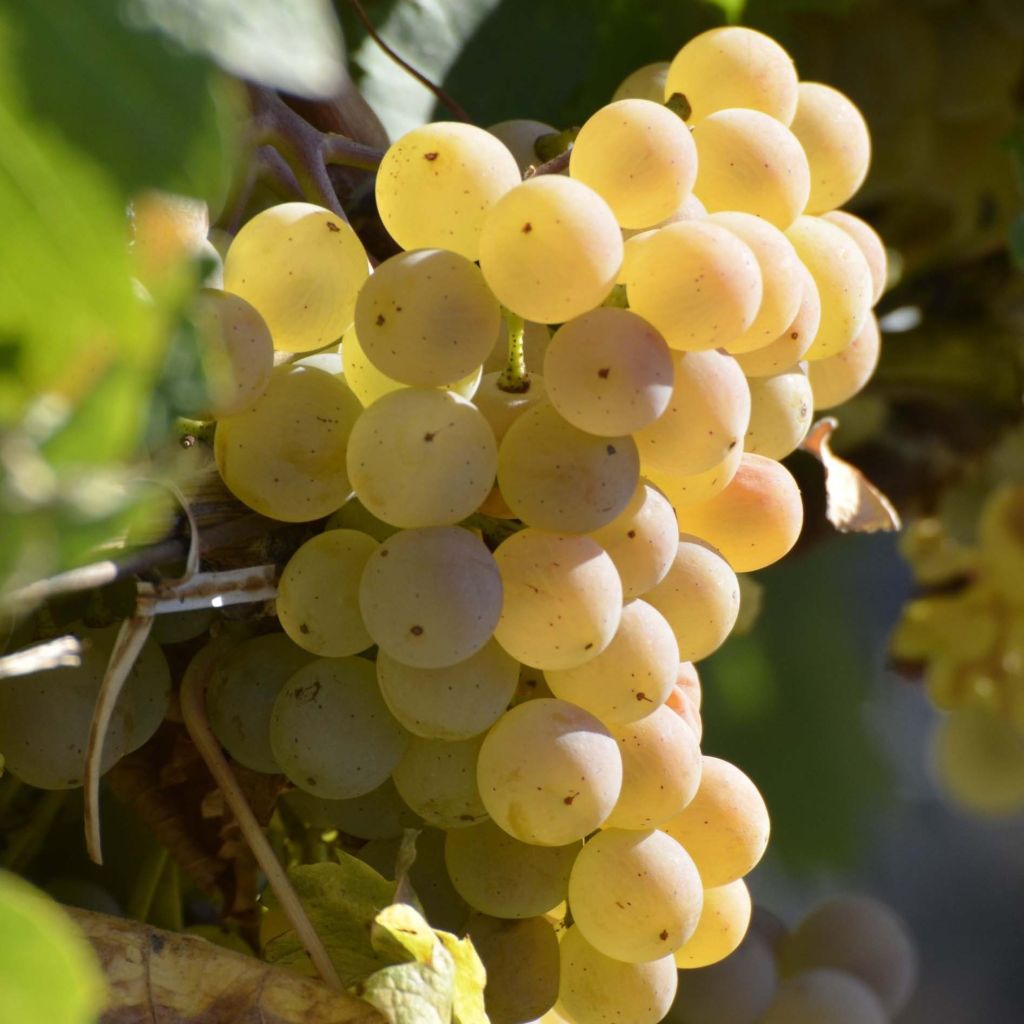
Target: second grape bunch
{"points": [[609, 364]]}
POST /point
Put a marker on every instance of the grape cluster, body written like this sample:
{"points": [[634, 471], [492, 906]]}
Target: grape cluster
{"points": [[548, 442], [966, 632]]}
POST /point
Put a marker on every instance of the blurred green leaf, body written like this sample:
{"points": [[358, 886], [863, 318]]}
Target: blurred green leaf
{"points": [[48, 972], [293, 45]]}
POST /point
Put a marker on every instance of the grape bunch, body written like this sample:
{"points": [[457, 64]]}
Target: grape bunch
{"points": [[541, 441]]}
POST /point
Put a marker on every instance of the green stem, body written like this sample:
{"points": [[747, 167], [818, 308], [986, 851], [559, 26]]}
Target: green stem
{"points": [[514, 377], [26, 841], [144, 889], [165, 910]]}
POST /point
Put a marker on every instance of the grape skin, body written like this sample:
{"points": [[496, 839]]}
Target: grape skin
{"points": [[838, 378], [724, 921], [780, 413], [437, 779]]}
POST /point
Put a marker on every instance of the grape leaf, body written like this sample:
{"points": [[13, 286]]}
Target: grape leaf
{"points": [[48, 973]]}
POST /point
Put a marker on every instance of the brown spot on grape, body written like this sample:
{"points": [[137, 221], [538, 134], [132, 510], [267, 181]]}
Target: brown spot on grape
{"points": [[663, 935], [331, 226], [631, 534], [610, 449], [416, 630], [527, 228], [430, 435], [795, 335], [569, 799], [380, 321], [430, 156], [303, 628], [603, 372]]}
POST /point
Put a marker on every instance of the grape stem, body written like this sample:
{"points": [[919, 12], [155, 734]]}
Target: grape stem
{"points": [[456, 108], [514, 377], [193, 710], [64, 652]]}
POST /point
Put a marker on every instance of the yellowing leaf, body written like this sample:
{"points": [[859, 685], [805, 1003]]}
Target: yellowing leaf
{"points": [[470, 978], [854, 503], [415, 993], [400, 931]]}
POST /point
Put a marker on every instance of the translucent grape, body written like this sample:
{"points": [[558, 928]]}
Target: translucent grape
{"points": [[861, 936], [750, 162], [608, 372], [531, 686], [824, 995], [781, 409], [688, 681], [426, 318], [754, 521], [595, 989], [180, 627], [696, 282], [661, 765], [243, 686], [421, 457], [705, 420], [301, 266], [238, 351], [285, 456], [639, 156], [431, 597], [551, 249], [379, 814], [45, 717], [520, 135], [838, 378], [641, 540], [696, 487], [522, 964], [723, 923], [549, 772], [631, 677], [782, 284], [499, 875], [789, 347], [734, 67], [736, 990], [683, 704], [353, 515], [454, 702], [843, 278], [835, 138], [563, 599], [557, 477], [436, 184], [437, 779], [502, 408], [330, 731], [725, 827], [646, 83], [699, 598], [870, 245], [318, 593]]}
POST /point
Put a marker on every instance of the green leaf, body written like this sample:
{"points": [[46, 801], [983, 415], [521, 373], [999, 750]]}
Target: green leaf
{"points": [[293, 45], [48, 972]]}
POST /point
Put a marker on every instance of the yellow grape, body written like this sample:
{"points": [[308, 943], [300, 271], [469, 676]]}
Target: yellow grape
{"points": [[431, 597], [661, 766], [379, 814], [285, 456], [843, 278], [437, 780], [318, 594], [734, 67], [501, 876], [237, 349], [699, 597], [861, 936], [838, 378], [824, 995], [789, 347], [549, 772], [781, 409], [755, 520], [520, 135], [631, 677], [835, 138], [421, 457], [550, 249], [502, 408], [436, 184], [557, 477], [725, 827], [688, 681], [723, 924], [870, 245], [608, 372], [641, 540], [301, 266], [596, 989], [639, 156], [705, 420], [646, 83], [635, 895], [426, 317], [750, 162], [696, 282], [685, 698], [696, 487], [782, 285], [562, 598]]}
